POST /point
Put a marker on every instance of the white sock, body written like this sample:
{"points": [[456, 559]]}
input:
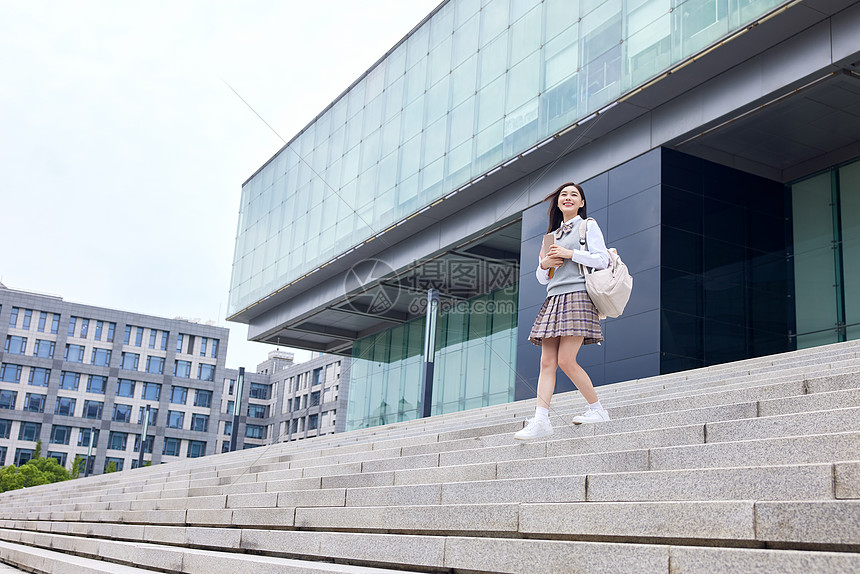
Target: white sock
{"points": [[595, 406], [542, 414]]}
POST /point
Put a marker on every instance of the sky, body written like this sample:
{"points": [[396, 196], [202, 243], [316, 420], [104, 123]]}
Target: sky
{"points": [[123, 150]]}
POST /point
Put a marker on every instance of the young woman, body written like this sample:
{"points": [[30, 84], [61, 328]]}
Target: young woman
{"points": [[567, 320]]}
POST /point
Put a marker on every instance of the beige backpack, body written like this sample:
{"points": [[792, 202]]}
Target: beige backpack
{"points": [[608, 288]]}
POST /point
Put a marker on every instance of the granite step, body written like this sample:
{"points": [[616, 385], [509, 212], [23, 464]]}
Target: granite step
{"points": [[113, 556], [460, 553]]}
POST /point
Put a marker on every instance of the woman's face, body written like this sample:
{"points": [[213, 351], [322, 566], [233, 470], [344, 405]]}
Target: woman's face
{"points": [[569, 202]]}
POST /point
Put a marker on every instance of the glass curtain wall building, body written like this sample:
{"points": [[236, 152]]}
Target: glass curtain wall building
{"points": [[699, 129], [473, 86]]}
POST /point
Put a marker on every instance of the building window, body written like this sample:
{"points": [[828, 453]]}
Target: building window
{"points": [[206, 372], [153, 415], [16, 345], [182, 369], [152, 336], [101, 357], [60, 457], [178, 395], [22, 455], [74, 354], [125, 388], [199, 423], [315, 376], [179, 340], [138, 337], [313, 422], [60, 434], [65, 406], [71, 330], [147, 448], [315, 398], [228, 428], [255, 431], [13, 318], [258, 411], [230, 406], [175, 419], [118, 463], [44, 349], [85, 327], [111, 332], [39, 377], [97, 384], [260, 391], [118, 440], [29, 431], [10, 373], [7, 399], [34, 403], [202, 398], [93, 409], [126, 336], [84, 438], [164, 336], [130, 361], [196, 448], [121, 413], [5, 428], [99, 327], [28, 316], [55, 324], [70, 381], [151, 391], [230, 384], [214, 348], [171, 446], [43, 321], [203, 341]]}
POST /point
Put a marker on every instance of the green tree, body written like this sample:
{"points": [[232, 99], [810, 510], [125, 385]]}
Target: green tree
{"points": [[77, 466], [111, 467], [32, 473], [38, 452]]}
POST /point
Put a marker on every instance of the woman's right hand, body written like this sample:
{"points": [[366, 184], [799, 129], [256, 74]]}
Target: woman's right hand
{"points": [[548, 262]]}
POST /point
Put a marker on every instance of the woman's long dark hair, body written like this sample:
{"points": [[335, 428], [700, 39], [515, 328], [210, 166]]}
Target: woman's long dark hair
{"points": [[555, 215]]}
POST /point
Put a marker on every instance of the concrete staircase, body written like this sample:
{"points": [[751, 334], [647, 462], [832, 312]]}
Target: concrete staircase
{"points": [[745, 467]]}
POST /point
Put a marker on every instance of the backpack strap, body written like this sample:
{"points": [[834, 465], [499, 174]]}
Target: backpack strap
{"points": [[582, 229]]}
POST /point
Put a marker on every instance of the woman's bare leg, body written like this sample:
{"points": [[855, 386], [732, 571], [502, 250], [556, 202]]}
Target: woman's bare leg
{"points": [[567, 350], [548, 369]]}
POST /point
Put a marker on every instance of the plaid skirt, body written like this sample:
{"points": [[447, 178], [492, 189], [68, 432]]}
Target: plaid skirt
{"points": [[568, 314]]}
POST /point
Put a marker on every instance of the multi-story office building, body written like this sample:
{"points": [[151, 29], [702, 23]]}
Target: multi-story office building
{"points": [[717, 142], [69, 369], [286, 400]]}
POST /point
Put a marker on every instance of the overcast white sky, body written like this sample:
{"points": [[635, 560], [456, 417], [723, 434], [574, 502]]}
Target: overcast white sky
{"points": [[122, 151]]}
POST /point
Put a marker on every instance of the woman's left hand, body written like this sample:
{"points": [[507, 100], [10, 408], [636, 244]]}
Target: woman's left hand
{"points": [[559, 251]]}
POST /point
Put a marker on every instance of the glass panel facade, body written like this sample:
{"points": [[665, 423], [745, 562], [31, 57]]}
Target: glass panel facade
{"points": [[725, 277], [475, 85], [827, 255], [474, 363]]}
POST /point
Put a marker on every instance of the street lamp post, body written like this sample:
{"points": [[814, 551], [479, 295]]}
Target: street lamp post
{"points": [[143, 437], [429, 351], [237, 409], [89, 452]]}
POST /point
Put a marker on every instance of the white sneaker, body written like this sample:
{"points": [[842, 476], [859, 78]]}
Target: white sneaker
{"points": [[534, 430], [591, 416]]}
